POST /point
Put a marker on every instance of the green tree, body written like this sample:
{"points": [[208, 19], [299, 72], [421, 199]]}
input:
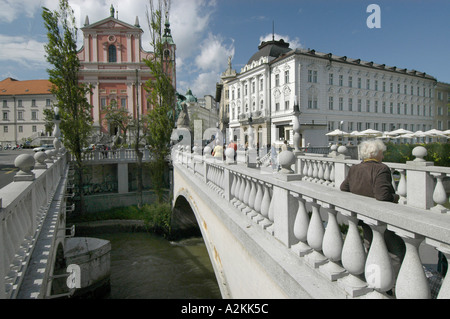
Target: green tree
{"points": [[162, 97], [118, 117], [74, 109]]}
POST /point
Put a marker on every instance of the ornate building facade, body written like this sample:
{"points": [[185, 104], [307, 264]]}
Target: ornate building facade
{"points": [[112, 61], [330, 92]]}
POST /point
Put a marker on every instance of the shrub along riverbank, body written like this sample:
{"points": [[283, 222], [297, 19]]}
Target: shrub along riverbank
{"points": [[438, 153], [156, 217]]}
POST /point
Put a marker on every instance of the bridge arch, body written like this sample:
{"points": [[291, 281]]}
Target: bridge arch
{"points": [[187, 222], [184, 221]]}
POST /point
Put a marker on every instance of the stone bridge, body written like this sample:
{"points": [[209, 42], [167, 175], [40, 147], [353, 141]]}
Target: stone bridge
{"points": [[295, 234], [284, 234]]}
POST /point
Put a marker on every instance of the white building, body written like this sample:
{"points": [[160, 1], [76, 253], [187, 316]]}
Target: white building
{"points": [[329, 90], [23, 105]]}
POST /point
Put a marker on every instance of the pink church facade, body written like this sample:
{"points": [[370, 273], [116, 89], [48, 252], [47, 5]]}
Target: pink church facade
{"points": [[112, 61]]}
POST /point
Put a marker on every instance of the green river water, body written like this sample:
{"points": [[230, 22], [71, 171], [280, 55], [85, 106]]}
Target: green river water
{"points": [[146, 266]]}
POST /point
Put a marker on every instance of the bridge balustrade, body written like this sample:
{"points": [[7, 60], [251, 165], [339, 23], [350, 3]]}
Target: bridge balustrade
{"points": [[306, 214], [24, 204], [113, 156]]}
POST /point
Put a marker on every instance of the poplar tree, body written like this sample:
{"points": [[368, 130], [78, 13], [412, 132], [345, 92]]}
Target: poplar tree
{"points": [[74, 109], [162, 97]]}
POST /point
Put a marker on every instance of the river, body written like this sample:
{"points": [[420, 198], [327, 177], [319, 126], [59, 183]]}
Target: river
{"points": [[146, 266]]}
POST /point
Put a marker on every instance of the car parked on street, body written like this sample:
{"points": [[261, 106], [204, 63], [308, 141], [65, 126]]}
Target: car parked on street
{"points": [[43, 148]]}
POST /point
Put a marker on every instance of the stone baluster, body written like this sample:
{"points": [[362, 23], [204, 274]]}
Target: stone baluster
{"points": [[401, 187], [305, 169], [249, 210], [258, 202], [315, 236], [439, 194], [310, 170], [320, 172], [353, 258], [271, 212], [301, 225], [240, 190], [378, 271], [411, 280], [315, 171], [265, 206], [233, 187], [326, 173], [332, 171], [332, 246], [245, 199]]}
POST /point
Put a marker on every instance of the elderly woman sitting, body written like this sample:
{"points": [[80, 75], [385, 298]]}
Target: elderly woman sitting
{"points": [[371, 177]]}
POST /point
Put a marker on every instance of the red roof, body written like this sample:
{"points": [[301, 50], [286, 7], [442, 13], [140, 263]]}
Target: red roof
{"points": [[10, 86]]}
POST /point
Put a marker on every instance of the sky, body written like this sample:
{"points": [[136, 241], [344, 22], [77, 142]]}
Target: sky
{"points": [[412, 34]]}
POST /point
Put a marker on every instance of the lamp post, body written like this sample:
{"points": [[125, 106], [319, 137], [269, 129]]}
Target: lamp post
{"points": [[296, 126]]}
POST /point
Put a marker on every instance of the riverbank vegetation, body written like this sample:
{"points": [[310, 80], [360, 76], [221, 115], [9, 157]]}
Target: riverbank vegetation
{"points": [[156, 216], [438, 153]]}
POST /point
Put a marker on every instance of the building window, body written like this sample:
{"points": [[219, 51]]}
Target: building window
{"points": [[33, 115], [350, 104], [33, 103], [376, 107], [20, 115], [261, 104], [330, 102], [5, 116], [330, 79], [47, 102], [376, 85], [34, 128], [350, 81], [5, 103], [286, 77], [359, 105], [368, 84], [20, 129], [123, 102], [359, 83], [312, 76], [5, 129], [341, 104], [112, 55], [286, 105], [19, 103], [341, 80], [277, 80], [368, 106], [277, 106]]}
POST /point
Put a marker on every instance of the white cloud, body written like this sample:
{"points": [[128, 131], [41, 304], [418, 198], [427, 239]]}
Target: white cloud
{"points": [[213, 54], [12, 9], [25, 51]]}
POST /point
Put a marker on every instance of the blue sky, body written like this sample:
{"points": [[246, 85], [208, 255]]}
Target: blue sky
{"points": [[414, 34]]}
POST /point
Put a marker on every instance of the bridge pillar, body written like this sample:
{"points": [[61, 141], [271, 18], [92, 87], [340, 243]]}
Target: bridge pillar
{"points": [[284, 216], [122, 177]]}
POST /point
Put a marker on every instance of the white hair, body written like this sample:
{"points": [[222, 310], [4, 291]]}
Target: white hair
{"points": [[371, 149]]}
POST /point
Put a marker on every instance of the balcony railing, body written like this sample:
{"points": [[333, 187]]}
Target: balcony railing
{"points": [[310, 207]]}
